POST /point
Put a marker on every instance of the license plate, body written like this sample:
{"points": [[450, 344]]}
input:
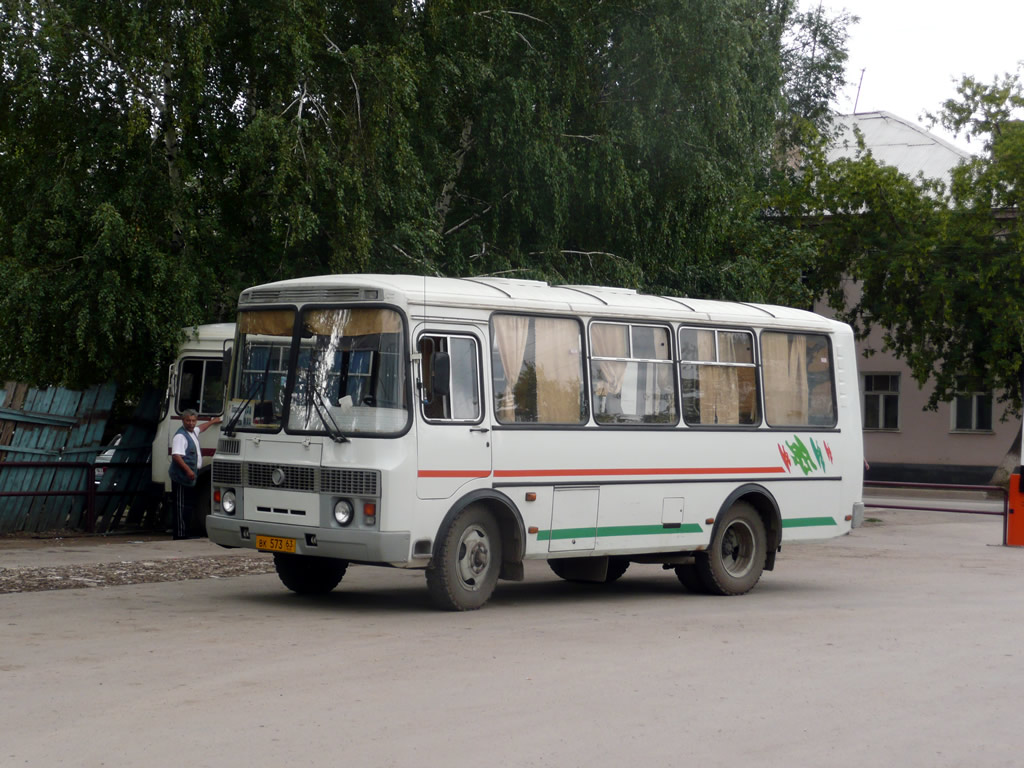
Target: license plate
{"points": [[275, 544]]}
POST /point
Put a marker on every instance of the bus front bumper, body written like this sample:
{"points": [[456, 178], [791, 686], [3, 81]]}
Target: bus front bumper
{"points": [[353, 545]]}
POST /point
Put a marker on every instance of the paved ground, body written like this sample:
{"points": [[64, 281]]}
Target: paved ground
{"points": [[899, 645]]}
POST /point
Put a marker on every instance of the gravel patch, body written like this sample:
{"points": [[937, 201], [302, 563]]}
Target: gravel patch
{"points": [[130, 572]]}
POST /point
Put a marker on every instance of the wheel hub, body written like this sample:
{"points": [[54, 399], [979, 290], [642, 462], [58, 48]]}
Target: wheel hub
{"points": [[474, 558], [478, 557]]}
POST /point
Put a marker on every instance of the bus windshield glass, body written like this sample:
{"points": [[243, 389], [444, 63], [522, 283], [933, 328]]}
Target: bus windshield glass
{"points": [[350, 373], [261, 369]]}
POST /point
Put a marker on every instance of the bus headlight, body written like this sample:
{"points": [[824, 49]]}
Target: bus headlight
{"points": [[343, 512], [227, 502]]}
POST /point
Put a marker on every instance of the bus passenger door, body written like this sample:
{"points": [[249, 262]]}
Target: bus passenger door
{"points": [[453, 432]]}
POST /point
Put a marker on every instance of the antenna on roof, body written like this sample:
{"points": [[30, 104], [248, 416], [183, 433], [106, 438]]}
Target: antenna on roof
{"points": [[856, 101]]}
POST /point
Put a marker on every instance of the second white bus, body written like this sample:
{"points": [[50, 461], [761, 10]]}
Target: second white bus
{"points": [[465, 426]]}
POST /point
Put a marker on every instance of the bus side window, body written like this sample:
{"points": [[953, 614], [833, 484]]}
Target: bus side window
{"points": [[462, 401], [719, 377], [201, 386], [798, 376]]}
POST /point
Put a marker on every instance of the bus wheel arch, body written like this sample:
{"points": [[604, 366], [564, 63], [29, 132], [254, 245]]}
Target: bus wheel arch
{"points": [[480, 540], [743, 541], [762, 500]]}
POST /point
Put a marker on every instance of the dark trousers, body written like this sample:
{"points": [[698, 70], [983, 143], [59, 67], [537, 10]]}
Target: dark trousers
{"points": [[183, 509]]}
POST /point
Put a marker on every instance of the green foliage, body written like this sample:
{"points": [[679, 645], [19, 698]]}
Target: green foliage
{"points": [[936, 268], [160, 156]]}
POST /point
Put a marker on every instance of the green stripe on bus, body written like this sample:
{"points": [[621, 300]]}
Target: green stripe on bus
{"points": [[807, 522], [615, 530]]}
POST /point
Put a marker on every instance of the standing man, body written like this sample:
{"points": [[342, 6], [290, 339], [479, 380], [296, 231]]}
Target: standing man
{"points": [[186, 459]]}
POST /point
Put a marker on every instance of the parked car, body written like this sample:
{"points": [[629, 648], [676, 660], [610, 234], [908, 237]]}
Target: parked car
{"points": [[104, 459]]}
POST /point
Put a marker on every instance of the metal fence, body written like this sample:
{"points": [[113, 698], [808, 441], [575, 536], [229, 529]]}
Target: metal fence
{"points": [[49, 442]]}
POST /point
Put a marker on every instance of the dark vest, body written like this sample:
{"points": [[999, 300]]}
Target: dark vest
{"points": [[191, 459]]}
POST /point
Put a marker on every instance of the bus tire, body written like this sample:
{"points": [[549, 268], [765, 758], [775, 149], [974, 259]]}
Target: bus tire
{"points": [[690, 578], [617, 567], [465, 567], [309, 575], [735, 559], [562, 568]]}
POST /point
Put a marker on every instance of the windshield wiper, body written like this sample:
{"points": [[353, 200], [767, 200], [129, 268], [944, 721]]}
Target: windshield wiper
{"points": [[332, 428], [313, 396]]}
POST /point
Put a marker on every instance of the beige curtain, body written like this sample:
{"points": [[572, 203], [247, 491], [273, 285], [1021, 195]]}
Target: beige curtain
{"points": [[559, 375], [352, 322], [510, 334], [707, 376], [785, 378], [727, 387], [609, 341], [271, 322]]}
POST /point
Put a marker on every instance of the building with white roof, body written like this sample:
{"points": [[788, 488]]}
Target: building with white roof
{"points": [[964, 441], [899, 143]]}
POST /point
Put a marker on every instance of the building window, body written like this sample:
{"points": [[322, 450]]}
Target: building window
{"points": [[973, 412], [881, 401]]}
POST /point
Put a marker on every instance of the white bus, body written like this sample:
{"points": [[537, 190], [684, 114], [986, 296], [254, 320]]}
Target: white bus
{"points": [[195, 380], [464, 426]]}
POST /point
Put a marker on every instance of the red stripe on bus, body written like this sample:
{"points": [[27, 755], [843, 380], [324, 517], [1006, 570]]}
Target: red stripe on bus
{"points": [[473, 473], [632, 472]]}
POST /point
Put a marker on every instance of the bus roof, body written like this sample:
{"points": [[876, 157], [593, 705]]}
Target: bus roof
{"points": [[519, 295], [210, 336]]}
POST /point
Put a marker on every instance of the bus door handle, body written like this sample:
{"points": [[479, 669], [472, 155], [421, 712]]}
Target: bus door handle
{"points": [[479, 429]]}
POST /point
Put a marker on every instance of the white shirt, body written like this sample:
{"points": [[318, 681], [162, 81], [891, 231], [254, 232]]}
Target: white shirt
{"points": [[179, 447]]}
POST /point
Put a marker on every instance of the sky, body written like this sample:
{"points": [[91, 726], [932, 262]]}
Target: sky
{"points": [[913, 53]]}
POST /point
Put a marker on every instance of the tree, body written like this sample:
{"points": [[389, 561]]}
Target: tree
{"points": [[938, 266], [161, 156]]}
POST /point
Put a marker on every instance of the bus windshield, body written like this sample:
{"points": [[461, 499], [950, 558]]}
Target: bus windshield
{"points": [[349, 375], [260, 370]]}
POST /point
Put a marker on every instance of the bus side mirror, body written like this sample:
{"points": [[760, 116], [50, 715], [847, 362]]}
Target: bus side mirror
{"points": [[440, 374], [227, 361]]}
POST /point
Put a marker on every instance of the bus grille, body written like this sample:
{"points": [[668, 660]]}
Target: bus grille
{"points": [[349, 482], [295, 478], [229, 445], [227, 473], [340, 482]]}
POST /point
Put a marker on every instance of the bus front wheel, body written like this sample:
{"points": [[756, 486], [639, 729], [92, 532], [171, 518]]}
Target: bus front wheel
{"points": [[465, 568], [735, 559], [309, 575]]}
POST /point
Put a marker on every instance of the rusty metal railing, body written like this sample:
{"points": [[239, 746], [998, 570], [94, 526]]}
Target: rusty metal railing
{"points": [[996, 490], [90, 491]]}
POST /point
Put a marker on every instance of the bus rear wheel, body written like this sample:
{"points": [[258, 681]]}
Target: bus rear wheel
{"points": [[309, 575], [465, 568], [735, 559]]}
